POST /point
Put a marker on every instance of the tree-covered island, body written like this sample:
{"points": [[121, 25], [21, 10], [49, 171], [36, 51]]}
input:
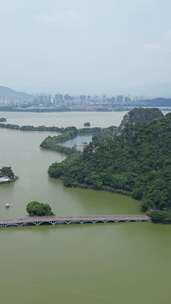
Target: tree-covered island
{"points": [[35, 208], [135, 159], [7, 175]]}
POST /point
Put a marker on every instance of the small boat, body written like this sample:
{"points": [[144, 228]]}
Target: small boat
{"points": [[7, 205]]}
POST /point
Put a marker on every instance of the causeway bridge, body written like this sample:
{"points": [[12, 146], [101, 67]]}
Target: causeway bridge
{"points": [[54, 220]]}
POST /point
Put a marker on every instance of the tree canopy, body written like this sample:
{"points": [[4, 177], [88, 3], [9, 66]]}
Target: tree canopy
{"points": [[35, 208], [135, 160]]}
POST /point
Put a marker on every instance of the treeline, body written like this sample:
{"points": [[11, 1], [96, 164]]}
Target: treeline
{"points": [[31, 128], [136, 160], [53, 142], [81, 131], [163, 217]]}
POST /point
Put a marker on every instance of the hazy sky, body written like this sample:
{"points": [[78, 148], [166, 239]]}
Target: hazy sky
{"points": [[84, 46]]}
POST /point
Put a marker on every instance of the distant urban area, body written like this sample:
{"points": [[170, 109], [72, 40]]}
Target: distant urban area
{"points": [[12, 100]]}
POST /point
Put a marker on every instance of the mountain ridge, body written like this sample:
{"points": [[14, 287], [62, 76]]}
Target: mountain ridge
{"points": [[8, 92]]}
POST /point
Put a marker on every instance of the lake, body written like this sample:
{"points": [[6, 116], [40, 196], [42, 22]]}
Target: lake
{"points": [[65, 119], [122, 263]]}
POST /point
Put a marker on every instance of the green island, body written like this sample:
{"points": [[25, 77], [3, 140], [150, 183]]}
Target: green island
{"points": [[7, 175], [35, 208], [133, 159]]}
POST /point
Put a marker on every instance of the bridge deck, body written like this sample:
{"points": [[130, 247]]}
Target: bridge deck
{"points": [[53, 220]]}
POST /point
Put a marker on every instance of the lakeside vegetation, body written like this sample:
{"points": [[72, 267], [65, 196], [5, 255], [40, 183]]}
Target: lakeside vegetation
{"points": [[68, 134], [54, 142], [81, 131], [31, 128], [163, 217], [135, 160]]}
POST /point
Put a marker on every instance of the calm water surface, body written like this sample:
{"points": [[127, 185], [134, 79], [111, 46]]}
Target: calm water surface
{"points": [[78, 142], [65, 119], [21, 150], [118, 263]]}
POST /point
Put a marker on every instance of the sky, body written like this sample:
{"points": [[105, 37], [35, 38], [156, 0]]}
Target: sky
{"points": [[89, 47]]}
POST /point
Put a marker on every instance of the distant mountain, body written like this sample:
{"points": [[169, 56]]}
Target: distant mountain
{"points": [[7, 92], [10, 97]]}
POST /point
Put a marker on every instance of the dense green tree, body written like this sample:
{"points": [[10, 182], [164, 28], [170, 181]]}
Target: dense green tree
{"points": [[38, 209], [135, 159]]}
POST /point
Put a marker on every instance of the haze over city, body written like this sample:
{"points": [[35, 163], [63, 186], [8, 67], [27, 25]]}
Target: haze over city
{"points": [[90, 47]]}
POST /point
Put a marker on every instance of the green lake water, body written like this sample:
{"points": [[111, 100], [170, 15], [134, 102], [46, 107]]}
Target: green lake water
{"points": [[112, 263]]}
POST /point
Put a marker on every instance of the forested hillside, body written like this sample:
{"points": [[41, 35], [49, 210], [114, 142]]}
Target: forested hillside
{"points": [[137, 160]]}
